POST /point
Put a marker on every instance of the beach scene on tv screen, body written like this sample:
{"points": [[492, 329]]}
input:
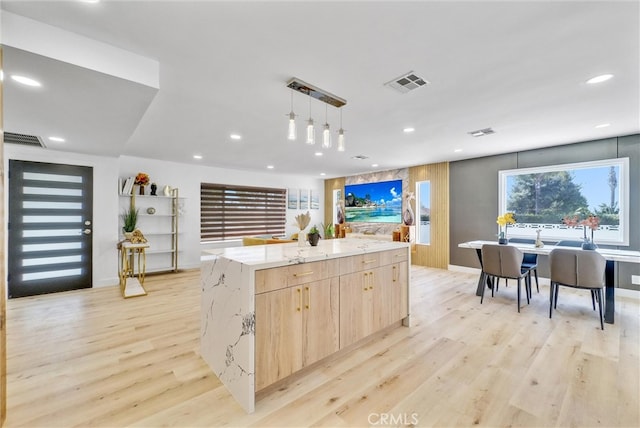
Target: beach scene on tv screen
{"points": [[379, 202]]}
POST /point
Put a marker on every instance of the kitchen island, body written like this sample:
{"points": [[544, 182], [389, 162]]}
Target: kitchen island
{"points": [[268, 311]]}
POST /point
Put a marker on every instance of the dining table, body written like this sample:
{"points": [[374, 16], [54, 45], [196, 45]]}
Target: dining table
{"points": [[612, 256]]}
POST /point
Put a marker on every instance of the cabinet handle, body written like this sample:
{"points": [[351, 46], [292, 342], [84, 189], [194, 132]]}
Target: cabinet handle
{"points": [[368, 261], [308, 297], [303, 273], [394, 274], [371, 281], [299, 299], [366, 280]]}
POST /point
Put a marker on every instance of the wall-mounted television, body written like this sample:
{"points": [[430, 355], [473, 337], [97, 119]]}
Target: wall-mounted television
{"points": [[378, 202]]}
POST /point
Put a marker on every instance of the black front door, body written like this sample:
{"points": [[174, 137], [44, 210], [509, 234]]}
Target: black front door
{"points": [[50, 225]]}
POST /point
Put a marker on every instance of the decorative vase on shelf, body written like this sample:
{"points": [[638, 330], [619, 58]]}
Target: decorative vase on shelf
{"points": [[313, 238], [589, 245], [141, 190], [408, 216], [502, 238], [301, 241]]}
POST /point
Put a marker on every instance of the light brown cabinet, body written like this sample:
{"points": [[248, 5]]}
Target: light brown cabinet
{"points": [[372, 298], [308, 311], [295, 326]]}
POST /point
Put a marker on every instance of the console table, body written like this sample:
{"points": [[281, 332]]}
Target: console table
{"points": [[132, 269]]}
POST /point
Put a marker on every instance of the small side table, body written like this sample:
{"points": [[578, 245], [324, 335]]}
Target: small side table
{"points": [[132, 259]]}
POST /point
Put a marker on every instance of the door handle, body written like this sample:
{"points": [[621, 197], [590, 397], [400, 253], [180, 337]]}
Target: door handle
{"points": [[87, 231]]}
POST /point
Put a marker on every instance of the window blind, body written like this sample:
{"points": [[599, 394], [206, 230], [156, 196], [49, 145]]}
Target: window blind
{"points": [[229, 212]]}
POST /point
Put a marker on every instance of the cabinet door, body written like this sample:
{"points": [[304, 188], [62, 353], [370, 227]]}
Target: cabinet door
{"points": [[395, 293], [400, 281], [278, 335], [356, 307], [321, 320]]}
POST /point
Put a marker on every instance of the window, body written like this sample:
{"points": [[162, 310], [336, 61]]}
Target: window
{"points": [[423, 203], [230, 212], [541, 197]]}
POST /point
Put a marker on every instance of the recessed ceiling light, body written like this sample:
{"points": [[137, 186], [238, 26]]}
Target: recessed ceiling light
{"points": [[359, 157], [90, 1], [600, 79], [197, 156], [235, 136], [25, 80], [408, 130], [457, 150], [603, 125], [323, 174], [57, 139], [374, 165], [318, 153], [270, 167]]}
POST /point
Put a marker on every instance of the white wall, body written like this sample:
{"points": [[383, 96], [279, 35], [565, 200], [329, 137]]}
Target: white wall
{"points": [[186, 177]]}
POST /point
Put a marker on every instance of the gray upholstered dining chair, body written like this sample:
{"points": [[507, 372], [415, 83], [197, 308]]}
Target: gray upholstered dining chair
{"points": [[577, 269], [529, 261], [503, 261]]}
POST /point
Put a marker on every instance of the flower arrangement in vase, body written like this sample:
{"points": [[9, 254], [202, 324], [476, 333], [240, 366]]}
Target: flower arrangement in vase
{"points": [[302, 221], [504, 220], [591, 221], [142, 179]]}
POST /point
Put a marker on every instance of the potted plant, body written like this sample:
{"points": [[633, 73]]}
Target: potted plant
{"points": [[129, 221], [313, 236], [328, 230]]}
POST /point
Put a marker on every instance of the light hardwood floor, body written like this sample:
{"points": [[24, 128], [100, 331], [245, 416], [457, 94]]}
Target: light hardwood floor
{"points": [[90, 358]]}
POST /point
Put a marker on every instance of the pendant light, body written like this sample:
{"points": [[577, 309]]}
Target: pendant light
{"points": [[293, 134], [341, 142], [326, 133], [311, 134]]}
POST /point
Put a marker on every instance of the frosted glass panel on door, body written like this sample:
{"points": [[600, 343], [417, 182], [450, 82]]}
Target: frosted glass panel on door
{"points": [[53, 177], [51, 191], [52, 205]]}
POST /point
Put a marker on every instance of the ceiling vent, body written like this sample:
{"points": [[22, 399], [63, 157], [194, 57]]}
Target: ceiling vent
{"points": [[481, 132], [360, 157], [407, 82], [23, 139]]}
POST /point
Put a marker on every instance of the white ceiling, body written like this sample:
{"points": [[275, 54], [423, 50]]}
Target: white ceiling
{"points": [[518, 67]]}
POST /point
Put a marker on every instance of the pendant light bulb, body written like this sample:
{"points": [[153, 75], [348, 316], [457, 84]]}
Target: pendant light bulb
{"points": [[293, 133], [326, 133], [326, 137], [341, 142], [311, 134], [311, 137]]}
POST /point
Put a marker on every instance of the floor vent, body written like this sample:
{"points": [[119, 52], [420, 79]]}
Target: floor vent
{"points": [[23, 139], [407, 82]]}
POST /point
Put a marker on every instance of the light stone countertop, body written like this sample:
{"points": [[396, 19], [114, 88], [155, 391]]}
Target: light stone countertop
{"points": [[275, 255]]}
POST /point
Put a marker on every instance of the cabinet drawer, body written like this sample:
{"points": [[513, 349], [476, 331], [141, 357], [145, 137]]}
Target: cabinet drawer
{"points": [[311, 272], [288, 276], [394, 256], [359, 262]]}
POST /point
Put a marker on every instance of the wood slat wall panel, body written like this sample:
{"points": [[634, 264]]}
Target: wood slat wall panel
{"points": [[437, 254]]}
